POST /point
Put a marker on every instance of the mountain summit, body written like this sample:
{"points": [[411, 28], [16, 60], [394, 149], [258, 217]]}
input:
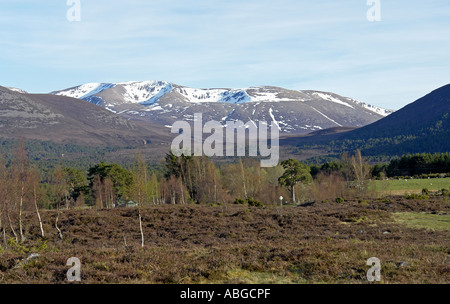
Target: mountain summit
{"points": [[296, 112]]}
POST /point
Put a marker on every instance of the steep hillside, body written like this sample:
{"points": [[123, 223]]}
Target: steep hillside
{"points": [[428, 114], [67, 120]]}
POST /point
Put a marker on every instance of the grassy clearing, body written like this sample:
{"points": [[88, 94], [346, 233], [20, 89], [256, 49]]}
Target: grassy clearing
{"points": [[422, 220], [242, 276], [400, 187]]}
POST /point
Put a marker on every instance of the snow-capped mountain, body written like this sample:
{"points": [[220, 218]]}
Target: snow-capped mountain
{"points": [[17, 90], [164, 103], [149, 92]]}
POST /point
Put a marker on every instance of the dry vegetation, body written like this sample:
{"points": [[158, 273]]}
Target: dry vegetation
{"points": [[322, 242]]}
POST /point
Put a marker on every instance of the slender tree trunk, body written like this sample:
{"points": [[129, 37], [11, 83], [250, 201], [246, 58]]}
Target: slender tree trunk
{"points": [[140, 228], [37, 211], [215, 191], [190, 180], [139, 201], [101, 196], [293, 194], [141, 186], [56, 223], [4, 236], [12, 228], [22, 237], [243, 178]]}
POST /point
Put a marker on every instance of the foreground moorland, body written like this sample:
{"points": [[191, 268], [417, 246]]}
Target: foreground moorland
{"points": [[322, 242]]}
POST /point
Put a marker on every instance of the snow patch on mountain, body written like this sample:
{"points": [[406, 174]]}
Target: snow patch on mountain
{"points": [[79, 91], [273, 118], [375, 109], [326, 117], [201, 95], [101, 87], [17, 90], [332, 99], [228, 116], [214, 95], [154, 108], [267, 97], [145, 92]]}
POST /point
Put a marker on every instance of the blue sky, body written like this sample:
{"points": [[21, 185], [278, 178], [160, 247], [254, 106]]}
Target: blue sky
{"points": [[320, 45]]}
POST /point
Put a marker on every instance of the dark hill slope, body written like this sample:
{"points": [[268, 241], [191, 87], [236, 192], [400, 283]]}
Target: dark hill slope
{"points": [[426, 115], [422, 126], [68, 120]]}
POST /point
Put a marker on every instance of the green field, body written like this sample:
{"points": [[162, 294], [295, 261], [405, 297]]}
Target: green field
{"points": [[403, 186], [423, 220]]}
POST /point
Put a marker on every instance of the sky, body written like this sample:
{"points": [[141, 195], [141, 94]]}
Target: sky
{"points": [[325, 45]]}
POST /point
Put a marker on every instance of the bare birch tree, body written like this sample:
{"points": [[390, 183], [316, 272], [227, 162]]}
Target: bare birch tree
{"points": [[361, 172], [61, 194], [139, 190], [34, 181], [243, 177]]}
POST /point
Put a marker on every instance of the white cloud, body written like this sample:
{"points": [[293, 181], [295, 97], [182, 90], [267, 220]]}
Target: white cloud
{"points": [[326, 45]]}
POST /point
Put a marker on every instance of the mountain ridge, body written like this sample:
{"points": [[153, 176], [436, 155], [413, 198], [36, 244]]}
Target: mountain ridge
{"points": [[160, 88], [297, 112]]}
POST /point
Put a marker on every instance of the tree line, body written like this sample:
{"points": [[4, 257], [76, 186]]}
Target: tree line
{"points": [[416, 164], [405, 165], [182, 180]]}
